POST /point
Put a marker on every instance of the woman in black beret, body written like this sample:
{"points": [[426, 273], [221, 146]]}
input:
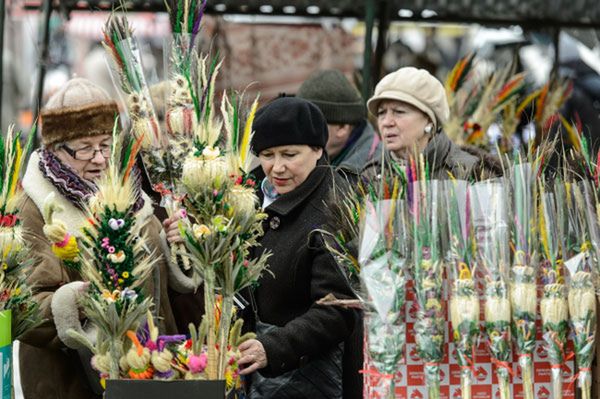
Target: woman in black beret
{"points": [[298, 351]]}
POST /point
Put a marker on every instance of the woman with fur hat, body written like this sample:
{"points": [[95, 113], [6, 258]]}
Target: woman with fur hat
{"points": [[298, 351], [76, 131], [411, 107]]}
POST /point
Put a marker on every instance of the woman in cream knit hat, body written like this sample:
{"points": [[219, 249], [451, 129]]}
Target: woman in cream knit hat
{"points": [[411, 108]]}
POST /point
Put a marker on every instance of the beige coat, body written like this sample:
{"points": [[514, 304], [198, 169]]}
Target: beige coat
{"points": [[48, 369]]}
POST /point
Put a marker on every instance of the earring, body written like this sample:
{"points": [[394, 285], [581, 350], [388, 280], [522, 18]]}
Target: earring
{"points": [[428, 129]]}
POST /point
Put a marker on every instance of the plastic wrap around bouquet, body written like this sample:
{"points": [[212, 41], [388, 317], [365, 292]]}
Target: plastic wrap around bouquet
{"points": [[491, 225], [128, 75], [554, 309], [583, 274], [425, 199], [183, 101], [382, 257], [523, 276], [464, 300]]}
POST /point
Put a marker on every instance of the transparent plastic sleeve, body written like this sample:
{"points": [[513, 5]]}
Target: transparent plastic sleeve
{"points": [[464, 300], [181, 99], [523, 292], [490, 220], [127, 74], [428, 219], [553, 304], [382, 258]]}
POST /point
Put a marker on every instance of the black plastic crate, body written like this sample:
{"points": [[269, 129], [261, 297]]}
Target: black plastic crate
{"points": [[155, 389]]}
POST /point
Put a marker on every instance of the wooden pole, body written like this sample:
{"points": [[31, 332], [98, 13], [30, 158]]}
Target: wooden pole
{"points": [[369, 22]]}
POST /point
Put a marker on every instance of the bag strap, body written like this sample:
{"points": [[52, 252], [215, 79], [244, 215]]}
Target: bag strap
{"points": [[253, 303]]}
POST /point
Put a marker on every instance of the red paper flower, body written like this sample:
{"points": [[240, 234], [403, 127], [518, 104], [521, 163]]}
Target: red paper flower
{"points": [[8, 220]]}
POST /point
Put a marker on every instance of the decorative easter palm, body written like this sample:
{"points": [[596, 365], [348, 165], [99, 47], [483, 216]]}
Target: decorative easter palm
{"points": [[547, 103], [111, 254], [162, 154], [582, 300], [553, 230], [523, 294], [512, 114], [128, 72], [225, 213], [342, 238], [183, 109], [499, 90], [425, 196], [464, 301], [490, 217], [382, 255], [476, 102], [15, 295], [458, 92]]}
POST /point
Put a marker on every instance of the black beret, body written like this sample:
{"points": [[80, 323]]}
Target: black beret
{"points": [[289, 121]]}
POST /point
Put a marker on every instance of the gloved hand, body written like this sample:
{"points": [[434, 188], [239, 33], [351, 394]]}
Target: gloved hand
{"points": [[67, 315]]}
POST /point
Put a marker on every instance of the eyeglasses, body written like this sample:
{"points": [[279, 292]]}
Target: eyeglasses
{"points": [[87, 153]]}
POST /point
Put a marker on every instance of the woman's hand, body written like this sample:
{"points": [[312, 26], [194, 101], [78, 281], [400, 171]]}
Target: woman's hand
{"points": [[253, 357], [171, 226]]}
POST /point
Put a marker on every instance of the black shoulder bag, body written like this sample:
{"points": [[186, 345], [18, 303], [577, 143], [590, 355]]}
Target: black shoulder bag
{"points": [[320, 378]]}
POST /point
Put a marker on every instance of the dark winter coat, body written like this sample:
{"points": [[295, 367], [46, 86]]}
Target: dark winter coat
{"points": [[367, 146], [303, 271]]}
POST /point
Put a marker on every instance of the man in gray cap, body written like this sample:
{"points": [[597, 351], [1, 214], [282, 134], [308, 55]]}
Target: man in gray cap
{"points": [[352, 140]]}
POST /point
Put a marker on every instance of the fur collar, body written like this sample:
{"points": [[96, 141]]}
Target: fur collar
{"points": [[37, 187]]}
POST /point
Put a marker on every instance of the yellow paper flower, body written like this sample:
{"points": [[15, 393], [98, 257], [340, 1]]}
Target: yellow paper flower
{"points": [[229, 379], [66, 250], [201, 231], [110, 297]]}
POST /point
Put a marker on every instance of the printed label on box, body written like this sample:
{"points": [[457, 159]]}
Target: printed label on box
{"points": [[5, 354]]}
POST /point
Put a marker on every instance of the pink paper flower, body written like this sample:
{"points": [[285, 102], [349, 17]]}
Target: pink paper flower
{"points": [[197, 364]]}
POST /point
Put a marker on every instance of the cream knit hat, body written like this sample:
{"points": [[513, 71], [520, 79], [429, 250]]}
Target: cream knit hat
{"points": [[416, 87]]}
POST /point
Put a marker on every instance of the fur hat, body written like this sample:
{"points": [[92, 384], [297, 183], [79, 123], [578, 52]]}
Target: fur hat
{"points": [[79, 109], [288, 121], [416, 87], [335, 96]]}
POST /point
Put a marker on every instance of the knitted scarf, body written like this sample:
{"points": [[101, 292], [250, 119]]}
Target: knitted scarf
{"points": [[74, 188]]}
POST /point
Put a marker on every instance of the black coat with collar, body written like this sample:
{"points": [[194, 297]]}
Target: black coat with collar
{"points": [[303, 271]]}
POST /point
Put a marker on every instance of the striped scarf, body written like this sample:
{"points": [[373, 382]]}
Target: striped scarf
{"points": [[74, 188]]}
